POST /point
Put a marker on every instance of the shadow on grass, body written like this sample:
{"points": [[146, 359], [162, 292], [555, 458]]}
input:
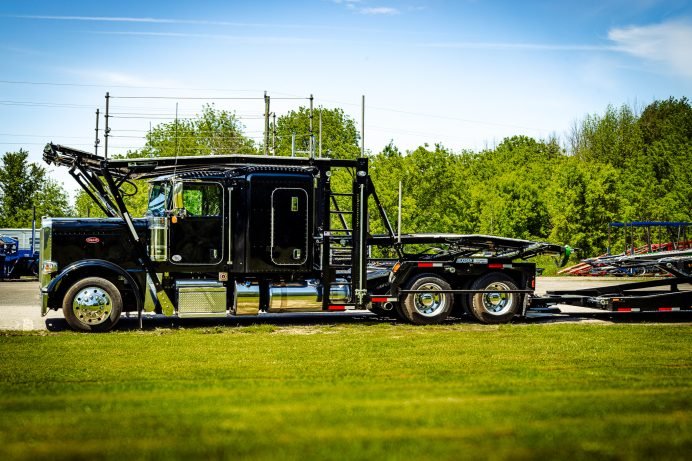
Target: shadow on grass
{"points": [[153, 322]]}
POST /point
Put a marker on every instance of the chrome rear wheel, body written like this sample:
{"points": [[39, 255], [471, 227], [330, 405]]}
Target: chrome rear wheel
{"points": [[428, 304], [495, 304]]}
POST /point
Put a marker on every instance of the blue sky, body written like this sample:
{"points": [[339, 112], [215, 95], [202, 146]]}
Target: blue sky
{"points": [[463, 73]]}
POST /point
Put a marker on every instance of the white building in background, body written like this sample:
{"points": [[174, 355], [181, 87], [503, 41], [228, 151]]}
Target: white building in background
{"points": [[24, 237]]}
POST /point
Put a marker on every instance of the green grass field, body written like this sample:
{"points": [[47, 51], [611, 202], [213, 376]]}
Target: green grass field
{"points": [[357, 391]]}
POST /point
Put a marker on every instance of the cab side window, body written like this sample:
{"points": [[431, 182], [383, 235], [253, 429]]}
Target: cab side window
{"points": [[202, 199]]}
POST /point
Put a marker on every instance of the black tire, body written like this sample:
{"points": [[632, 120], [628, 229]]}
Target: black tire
{"points": [[427, 308], [462, 301], [495, 307], [92, 304]]}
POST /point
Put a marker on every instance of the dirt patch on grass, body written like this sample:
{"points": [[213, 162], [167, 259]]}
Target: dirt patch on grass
{"points": [[304, 330]]}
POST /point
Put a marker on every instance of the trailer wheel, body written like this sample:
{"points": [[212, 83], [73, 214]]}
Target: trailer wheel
{"points": [[92, 304], [497, 307], [427, 308]]}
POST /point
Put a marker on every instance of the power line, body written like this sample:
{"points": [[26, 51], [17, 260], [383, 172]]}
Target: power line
{"points": [[199, 98], [438, 116], [42, 136], [44, 104], [94, 85]]}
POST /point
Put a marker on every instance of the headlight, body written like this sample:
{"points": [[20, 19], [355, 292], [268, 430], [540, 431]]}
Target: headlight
{"points": [[49, 267]]}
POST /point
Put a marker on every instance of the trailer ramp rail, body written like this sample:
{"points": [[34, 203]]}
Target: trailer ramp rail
{"points": [[646, 296], [478, 245]]}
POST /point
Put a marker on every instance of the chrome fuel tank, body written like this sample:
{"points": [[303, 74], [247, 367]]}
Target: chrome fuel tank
{"points": [[305, 297]]}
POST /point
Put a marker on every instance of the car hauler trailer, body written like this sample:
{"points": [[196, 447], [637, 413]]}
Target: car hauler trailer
{"points": [[241, 235], [669, 294]]}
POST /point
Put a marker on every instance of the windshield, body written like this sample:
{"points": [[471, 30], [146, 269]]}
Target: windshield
{"points": [[159, 199]]}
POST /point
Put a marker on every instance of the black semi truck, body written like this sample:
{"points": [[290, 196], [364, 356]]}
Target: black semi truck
{"points": [[242, 235]]}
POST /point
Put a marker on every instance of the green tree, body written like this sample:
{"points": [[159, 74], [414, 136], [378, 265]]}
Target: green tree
{"points": [[507, 186], [52, 200], [339, 134], [586, 199], [23, 186], [613, 138], [213, 132], [667, 119], [665, 188], [85, 207]]}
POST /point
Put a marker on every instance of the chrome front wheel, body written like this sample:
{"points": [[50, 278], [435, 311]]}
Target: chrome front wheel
{"points": [[92, 304]]}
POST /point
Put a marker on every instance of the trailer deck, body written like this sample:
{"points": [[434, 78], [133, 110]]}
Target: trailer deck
{"points": [[665, 295]]}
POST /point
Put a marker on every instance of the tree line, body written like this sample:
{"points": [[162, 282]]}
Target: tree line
{"points": [[619, 165]]}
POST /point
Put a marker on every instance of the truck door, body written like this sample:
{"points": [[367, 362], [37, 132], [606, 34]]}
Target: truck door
{"points": [[289, 226], [196, 234]]}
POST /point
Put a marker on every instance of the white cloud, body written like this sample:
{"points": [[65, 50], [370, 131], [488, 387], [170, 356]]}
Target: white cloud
{"points": [[357, 6], [350, 4], [121, 79], [667, 43], [501, 46], [248, 40], [149, 20], [110, 19], [376, 10]]}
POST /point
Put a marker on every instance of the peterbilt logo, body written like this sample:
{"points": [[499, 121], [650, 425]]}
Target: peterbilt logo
{"points": [[92, 240]]}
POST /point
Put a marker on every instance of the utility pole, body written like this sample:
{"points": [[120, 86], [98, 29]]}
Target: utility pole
{"points": [[274, 133], [266, 124], [320, 135], [108, 130], [312, 136], [96, 139], [362, 128], [398, 225], [176, 129], [33, 231]]}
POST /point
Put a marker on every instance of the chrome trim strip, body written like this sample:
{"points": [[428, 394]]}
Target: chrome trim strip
{"points": [[128, 220], [44, 303]]}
